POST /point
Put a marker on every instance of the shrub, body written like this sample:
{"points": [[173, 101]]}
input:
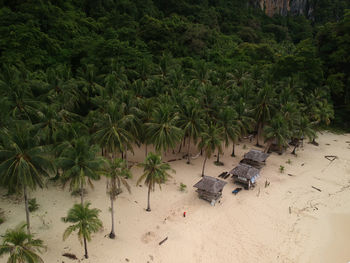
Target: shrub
{"points": [[281, 169], [182, 187], [33, 205]]}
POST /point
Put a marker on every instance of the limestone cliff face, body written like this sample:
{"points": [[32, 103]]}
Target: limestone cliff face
{"points": [[282, 7]]}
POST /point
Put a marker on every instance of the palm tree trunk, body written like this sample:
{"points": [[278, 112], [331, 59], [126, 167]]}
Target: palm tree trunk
{"points": [[188, 151], [258, 135], [218, 158], [233, 150], [148, 200], [205, 160], [112, 234], [26, 208], [295, 147], [81, 192], [126, 157], [268, 146], [180, 148], [146, 150], [85, 247]]}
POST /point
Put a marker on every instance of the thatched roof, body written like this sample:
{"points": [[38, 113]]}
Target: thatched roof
{"points": [[256, 155], [210, 184], [245, 171]]}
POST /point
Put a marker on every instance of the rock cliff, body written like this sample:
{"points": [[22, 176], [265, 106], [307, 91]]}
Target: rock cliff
{"points": [[282, 7]]}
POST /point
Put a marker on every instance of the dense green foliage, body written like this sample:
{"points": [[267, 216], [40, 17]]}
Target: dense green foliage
{"points": [[80, 77]]}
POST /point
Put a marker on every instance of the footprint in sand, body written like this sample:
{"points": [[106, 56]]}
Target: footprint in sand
{"points": [[148, 237]]}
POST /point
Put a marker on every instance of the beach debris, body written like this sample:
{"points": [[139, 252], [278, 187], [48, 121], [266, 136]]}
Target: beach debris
{"points": [[330, 157], [237, 190], [223, 174], [291, 174], [173, 160], [267, 183], [70, 255], [302, 164], [127, 260], [184, 214], [161, 242], [318, 189]]}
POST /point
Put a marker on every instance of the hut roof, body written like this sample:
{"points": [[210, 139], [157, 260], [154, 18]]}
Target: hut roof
{"points": [[245, 170], [210, 184], [256, 155]]}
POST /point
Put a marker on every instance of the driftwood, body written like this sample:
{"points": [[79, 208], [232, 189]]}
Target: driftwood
{"points": [[70, 255], [291, 174], [173, 160], [161, 242], [318, 189], [330, 157]]}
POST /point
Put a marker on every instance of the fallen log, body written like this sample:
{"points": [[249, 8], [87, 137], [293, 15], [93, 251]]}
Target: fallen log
{"points": [[161, 242], [70, 255], [318, 189]]}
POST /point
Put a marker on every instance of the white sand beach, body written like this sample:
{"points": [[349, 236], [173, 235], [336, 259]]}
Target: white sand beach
{"points": [[288, 221]]}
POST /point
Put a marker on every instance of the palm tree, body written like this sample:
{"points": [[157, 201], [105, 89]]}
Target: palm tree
{"points": [[85, 221], [277, 130], [111, 126], [23, 161], [265, 104], [79, 162], [228, 120], [154, 172], [117, 172], [191, 122], [211, 140], [303, 129], [16, 92], [162, 130], [146, 107], [201, 74], [21, 246]]}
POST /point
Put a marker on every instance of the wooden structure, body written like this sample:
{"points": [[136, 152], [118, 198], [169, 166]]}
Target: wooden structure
{"points": [[210, 189], [255, 158], [245, 174]]}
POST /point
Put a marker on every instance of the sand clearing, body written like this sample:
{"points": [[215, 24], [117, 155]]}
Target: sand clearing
{"points": [[288, 221]]}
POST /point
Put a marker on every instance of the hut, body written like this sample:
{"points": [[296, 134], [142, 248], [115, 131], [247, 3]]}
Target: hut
{"points": [[255, 158], [210, 189], [245, 174]]}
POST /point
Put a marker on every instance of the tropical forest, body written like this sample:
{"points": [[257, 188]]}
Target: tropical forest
{"points": [[110, 95]]}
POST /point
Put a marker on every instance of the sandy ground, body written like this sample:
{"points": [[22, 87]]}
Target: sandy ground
{"points": [[288, 221]]}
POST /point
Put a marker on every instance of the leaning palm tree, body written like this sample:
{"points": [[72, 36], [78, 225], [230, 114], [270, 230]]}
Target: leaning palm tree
{"points": [[79, 164], [154, 172], [117, 172], [211, 140], [23, 161], [85, 221], [21, 246]]}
